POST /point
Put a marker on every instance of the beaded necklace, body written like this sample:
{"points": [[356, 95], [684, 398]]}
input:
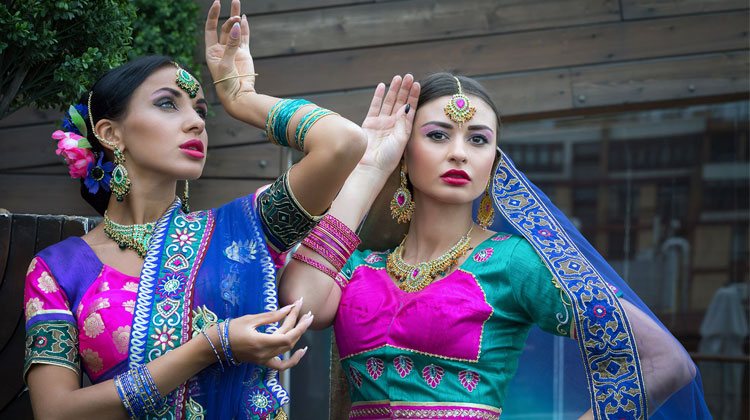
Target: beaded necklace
{"points": [[135, 237], [415, 277]]}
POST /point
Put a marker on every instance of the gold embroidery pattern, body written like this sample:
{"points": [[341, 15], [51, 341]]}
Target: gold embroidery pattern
{"points": [[121, 338], [33, 306], [93, 325], [92, 360], [32, 266], [53, 343], [435, 411], [47, 283]]}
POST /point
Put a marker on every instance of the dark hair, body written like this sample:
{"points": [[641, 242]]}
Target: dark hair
{"points": [[444, 84], [110, 99]]}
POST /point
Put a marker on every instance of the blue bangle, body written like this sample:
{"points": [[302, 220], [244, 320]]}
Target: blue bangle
{"points": [[277, 121], [229, 355], [210, 343], [307, 121]]}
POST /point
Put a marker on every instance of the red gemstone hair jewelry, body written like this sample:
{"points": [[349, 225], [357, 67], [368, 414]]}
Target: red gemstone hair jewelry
{"points": [[459, 108]]}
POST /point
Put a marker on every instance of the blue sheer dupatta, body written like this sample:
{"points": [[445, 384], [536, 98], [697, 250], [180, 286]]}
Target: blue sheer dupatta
{"points": [[601, 369]]}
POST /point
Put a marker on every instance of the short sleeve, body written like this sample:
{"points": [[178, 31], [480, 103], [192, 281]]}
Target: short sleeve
{"points": [[537, 293], [51, 333], [285, 222]]}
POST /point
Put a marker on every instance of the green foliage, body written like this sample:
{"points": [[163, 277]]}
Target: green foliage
{"points": [[168, 28], [52, 51]]}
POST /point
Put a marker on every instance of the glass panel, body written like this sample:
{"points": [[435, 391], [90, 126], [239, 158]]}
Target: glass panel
{"points": [[664, 195]]}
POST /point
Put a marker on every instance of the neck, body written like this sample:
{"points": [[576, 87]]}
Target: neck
{"points": [[435, 227], [146, 202]]}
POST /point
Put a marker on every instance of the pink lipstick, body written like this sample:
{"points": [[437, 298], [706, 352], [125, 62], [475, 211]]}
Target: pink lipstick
{"points": [[455, 177], [193, 148]]}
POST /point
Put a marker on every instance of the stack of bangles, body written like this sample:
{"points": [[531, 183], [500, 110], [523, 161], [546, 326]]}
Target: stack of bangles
{"points": [[281, 113], [138, 392], [223, 330], [333, 241]]}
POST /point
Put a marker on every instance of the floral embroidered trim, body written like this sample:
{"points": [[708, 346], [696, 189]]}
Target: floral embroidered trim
{"points": [[52, 343], [613, 371]]}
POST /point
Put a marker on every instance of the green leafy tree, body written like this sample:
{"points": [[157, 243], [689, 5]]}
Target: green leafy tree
{"points": [[52, 51]]}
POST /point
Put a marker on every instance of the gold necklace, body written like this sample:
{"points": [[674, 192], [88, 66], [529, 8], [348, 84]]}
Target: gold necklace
{"points": [[415, 277], [135, 237]]}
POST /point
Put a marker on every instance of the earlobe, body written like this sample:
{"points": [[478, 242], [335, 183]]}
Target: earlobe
{"points": [[107, 134]]}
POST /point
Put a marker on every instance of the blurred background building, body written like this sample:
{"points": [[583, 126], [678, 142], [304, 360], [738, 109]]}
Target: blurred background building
{"points": [[632, 115]]}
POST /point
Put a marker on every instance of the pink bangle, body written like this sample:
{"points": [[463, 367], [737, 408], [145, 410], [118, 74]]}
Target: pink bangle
{"points": [[345, 234], [325, 250], [315, 264]]}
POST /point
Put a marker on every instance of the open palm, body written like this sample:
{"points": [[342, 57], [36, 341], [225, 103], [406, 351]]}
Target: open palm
{"points": [[228, 54], [387, 125]]}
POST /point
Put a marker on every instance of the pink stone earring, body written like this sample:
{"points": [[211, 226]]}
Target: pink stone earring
{"points": [[402, 206]]}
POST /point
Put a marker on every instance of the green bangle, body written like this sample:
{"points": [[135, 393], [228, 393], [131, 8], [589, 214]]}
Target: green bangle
{"points": [[306, 123]]}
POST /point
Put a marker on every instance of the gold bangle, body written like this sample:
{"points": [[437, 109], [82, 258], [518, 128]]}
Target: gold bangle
{"points": [[235, 77]]}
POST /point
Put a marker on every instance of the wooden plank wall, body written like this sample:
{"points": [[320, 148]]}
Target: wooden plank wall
{"points": [[537, 57]]}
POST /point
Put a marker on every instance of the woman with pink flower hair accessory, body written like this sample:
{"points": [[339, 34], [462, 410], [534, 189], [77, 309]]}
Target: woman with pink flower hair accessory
{"points": [[173, 313]]}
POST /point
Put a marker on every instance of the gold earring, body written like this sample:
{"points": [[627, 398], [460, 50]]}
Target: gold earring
{"points": [[120, 183], [486, 213], [186, 198], [402, 206]]}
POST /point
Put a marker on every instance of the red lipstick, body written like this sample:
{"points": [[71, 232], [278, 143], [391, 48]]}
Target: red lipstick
{"points": [[455, 177], [193, 148]]}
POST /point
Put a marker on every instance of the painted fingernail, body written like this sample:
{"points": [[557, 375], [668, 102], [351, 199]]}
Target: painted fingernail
{"points": [[408, 107], [235, 32]]}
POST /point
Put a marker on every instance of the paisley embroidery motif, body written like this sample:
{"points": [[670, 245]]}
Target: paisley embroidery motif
{"points": [[375, 367], [355, 377], [483, 255], [403, 365], [469, 379], [503, 237], [433, 374], [373, 258]]}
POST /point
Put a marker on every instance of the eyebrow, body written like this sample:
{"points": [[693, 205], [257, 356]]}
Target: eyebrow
{"points": [[450, 126], [178, 94]]}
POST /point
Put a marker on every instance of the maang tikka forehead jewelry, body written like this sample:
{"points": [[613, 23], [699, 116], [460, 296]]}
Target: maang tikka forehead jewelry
{"points": [[459, 108], [186, 81]]}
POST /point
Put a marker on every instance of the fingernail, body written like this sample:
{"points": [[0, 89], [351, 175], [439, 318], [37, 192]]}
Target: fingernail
{"points": [[235, 32], [244, 17], [287, 307], [299, 301], [408, 107], [304, 350]]}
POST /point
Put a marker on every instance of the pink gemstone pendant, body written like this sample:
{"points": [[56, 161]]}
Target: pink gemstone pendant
{"points": [[460, 103], [400, 199]]}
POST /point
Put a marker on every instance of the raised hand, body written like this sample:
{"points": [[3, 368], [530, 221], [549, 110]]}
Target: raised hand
{"points": [[249, 345], [228, 55], [387, 125]]}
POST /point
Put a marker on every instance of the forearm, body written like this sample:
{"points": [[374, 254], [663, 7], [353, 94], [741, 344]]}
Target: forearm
{"points": [[55, 393]]}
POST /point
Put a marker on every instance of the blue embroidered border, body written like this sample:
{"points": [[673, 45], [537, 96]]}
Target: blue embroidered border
{"points": [[605, 337]]}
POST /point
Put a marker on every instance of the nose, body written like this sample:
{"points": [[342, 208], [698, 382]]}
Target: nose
{"points": [[195, 123], [457, 152]]}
